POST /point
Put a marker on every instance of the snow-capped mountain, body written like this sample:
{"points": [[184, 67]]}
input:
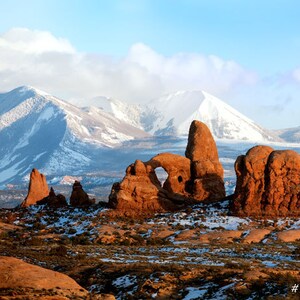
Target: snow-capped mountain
{"points": [[172, 115], [291, 135], [42, 131]]}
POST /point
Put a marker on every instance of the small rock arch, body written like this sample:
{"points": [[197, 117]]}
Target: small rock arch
{"points": [[178, 169]]}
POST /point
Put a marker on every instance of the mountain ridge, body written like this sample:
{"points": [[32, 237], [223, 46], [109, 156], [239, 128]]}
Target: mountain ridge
{"points": [[291, 135], [40, 130], [172, 114]]}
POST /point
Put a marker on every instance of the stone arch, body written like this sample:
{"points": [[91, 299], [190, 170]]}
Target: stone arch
{"points": [[178, 169]]}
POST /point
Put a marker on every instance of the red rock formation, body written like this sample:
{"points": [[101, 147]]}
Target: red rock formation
{"points": [[206, 170], [53, 200], [199, 176], [79, 197], [268, 183], [38, 188], [282, 196], [201, 145], [250, 185], [140, 191]]}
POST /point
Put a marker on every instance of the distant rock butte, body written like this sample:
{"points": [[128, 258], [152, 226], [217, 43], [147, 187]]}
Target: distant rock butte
{"points": [[268, 183], [196, 177], [53, 200], [79, 197], [38, 193], [38, 188]]}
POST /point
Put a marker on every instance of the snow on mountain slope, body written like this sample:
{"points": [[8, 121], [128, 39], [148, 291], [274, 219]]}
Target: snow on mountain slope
{"points": [[291, 135], [129, 113], [39, 130], [173, 114]]}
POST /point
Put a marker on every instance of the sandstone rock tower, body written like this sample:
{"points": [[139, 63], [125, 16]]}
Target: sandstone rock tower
{"points": [[206, 170], [38, 188]]}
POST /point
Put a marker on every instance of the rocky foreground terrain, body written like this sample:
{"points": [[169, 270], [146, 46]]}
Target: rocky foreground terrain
{"points": [[198, 253]]}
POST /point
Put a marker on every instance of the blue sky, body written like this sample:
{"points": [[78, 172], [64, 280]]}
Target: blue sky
{"points": [[245, 52]]}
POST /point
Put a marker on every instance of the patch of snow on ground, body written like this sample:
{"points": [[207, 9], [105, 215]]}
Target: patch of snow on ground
{"points": [[269, 264], [220, 295], [194, 293], [125, 281]]}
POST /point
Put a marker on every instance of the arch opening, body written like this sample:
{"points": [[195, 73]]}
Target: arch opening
{"points": [[161, 174]]}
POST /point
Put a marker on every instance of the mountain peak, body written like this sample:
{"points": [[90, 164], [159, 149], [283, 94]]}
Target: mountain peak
{"points": [[25, 89], [173, 113]]}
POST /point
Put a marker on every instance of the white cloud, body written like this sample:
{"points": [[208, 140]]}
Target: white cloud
{"points": [[34, 41], [37, 58]]}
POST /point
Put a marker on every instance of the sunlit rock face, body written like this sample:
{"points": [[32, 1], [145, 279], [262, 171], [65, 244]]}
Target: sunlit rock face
{"points": [[268, 183]]}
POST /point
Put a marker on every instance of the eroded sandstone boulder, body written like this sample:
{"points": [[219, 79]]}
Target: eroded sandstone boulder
{"points": [[38, 188], [53, 200], [268, 183], [16, 274], [79, 197], [196, 177]]}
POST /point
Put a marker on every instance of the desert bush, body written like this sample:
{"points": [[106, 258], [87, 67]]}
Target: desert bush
{"points": [[59, 250], [34, 241], [4, 235], [139, 240], [157, 241], [72, 231], [80, 240]]}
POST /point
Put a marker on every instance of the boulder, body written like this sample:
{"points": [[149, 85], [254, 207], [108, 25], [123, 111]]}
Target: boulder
{"points": [[38, 188], [268, 183], [291, 235], [53, 200], [16, 274], [79, 197]]}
